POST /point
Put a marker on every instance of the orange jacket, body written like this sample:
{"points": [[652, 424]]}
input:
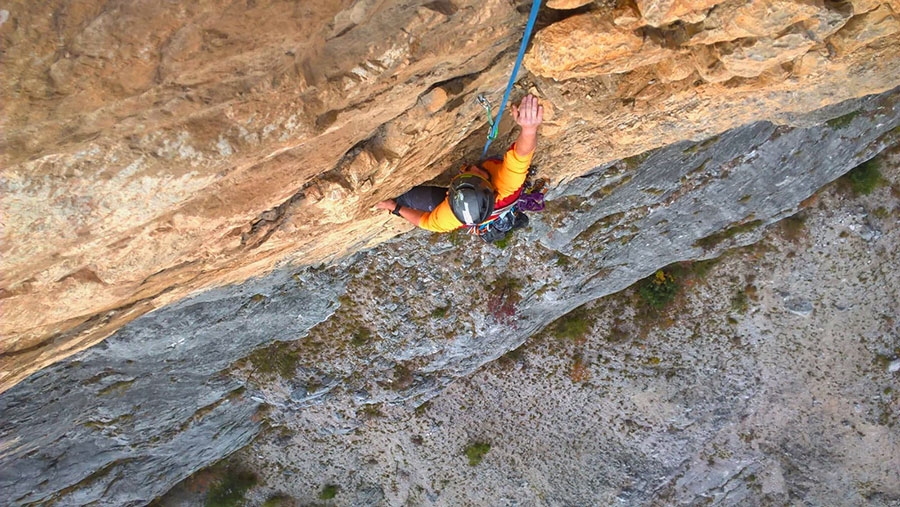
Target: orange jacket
{"points": [[507, 176]]}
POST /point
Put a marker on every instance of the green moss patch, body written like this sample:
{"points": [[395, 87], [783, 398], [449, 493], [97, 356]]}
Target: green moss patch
{"points": [[279, 358], [230, 489], [328, 492], [713, 240], [476, 451], [864, 178], [574, 325], [842, 121]]}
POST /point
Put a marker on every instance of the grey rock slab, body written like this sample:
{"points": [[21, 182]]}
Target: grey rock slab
{"points": [[118, 423]]}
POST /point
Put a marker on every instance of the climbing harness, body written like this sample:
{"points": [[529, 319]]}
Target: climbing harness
{"points": [[495, 124], [528, 198], [480, 229]]}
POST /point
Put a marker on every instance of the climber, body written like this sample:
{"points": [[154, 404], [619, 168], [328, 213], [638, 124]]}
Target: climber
{"points": [[481, 197]]}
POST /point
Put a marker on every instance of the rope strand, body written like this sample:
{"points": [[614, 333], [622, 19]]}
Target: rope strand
{"points": [[535, 7]]}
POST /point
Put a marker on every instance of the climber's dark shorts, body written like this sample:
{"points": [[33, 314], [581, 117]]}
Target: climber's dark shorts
{"points": [[422, 197]]}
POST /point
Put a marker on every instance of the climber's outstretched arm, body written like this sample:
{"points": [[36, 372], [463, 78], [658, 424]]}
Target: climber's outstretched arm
{"points": [[411, 215], [528, 116]]}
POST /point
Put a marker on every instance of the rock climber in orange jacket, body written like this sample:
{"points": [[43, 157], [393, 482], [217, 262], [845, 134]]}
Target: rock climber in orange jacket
{"points": [[478, 193]]}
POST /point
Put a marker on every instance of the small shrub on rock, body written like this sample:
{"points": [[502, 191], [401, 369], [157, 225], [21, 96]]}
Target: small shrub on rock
{"points": [[864, 178], [503, 299], [229, 491], [574, 326], [658, 290], [792, 228], [740, 302], [580, 371]]}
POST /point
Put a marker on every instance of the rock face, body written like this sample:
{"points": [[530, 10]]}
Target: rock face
{"points": [[152, 150], [730, 397], [156, 386], [167, 394]]}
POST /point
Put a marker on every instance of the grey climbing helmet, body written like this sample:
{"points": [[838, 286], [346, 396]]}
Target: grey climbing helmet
{"points": [[471, 198]]}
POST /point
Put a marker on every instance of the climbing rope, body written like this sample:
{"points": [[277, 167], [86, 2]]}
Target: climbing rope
{"points": [[495, 125]]}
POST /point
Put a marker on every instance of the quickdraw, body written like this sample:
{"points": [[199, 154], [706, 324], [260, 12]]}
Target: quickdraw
{"points": [[486, 104]]}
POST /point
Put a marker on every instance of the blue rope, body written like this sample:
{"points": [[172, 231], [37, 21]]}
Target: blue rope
{"points": [[535, 7]]}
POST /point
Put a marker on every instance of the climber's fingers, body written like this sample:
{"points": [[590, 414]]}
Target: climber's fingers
{"points": [[529, 113]]}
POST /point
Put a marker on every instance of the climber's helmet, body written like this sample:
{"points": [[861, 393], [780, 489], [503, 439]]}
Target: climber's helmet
{"points": [[471, 197]]}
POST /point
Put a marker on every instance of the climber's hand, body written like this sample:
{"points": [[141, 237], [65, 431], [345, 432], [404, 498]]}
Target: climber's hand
{"points": [[389, 205], [529, 114]]}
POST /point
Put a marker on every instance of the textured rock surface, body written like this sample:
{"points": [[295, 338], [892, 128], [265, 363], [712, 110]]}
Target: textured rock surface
{"points": [[151, 405], [153, 149], [567, 4], [723, 401], [162, 397]]}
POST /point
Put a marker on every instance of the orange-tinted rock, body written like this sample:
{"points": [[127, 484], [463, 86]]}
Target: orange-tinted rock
{"points": [[567, 4], [753, 59], [865, 29], [737, 19], [675, 69], [627, 16], [435, 100], [595, 45], [663, 12], [709, 65], [863, 6]]}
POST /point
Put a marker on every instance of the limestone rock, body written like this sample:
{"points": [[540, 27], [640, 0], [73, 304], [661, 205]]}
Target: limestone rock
{"points": [[755, 58], [736, 19], [169, 393], [863, 6], [663, 12], [595, 46], [627, 16], [227, 126], [152, 150], [894, 366], [675, 69], [798, 306], [567, 4], [435, 100], [865, 29]]}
